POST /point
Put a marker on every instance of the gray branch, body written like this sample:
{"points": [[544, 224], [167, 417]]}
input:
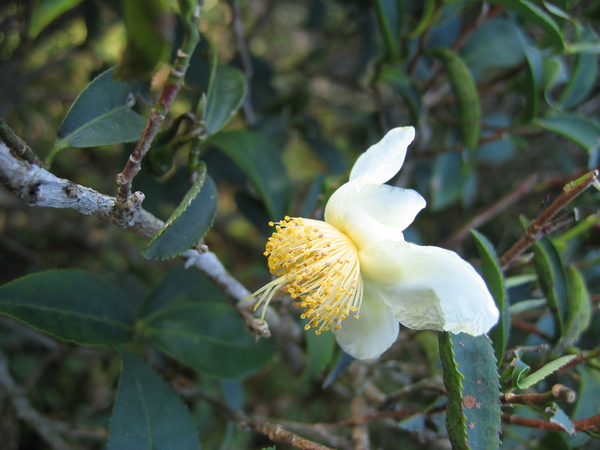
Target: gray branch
{"points": [[38, 187]]}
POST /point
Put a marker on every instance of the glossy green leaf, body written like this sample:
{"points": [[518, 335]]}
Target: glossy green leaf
{"points": [[101, 115], [261, 162], [389, 15], [225, 96], [202, 333], [465, 91], [150, 30], [583, 79], [494, 278], [580, 130], [147, 414], [70, 304], [472, 382], [530, 11], [319, 351], [529, 380], [188, 223], [498, 44], [552, 280], [579, 312], [45, 12]]}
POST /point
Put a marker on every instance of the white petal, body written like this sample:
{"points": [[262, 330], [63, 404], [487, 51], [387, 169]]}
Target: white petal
{"points": [[383, 160], [373, 332], [376, 212], [436, 289]]}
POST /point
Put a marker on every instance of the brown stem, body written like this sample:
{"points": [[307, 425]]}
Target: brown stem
{"points": [[580, 425], [17, 145], [157, 115], [558, 392], [524, 188], [535, 230]]}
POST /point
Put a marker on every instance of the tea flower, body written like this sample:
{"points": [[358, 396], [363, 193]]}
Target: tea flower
{"points": [[354, 273]]}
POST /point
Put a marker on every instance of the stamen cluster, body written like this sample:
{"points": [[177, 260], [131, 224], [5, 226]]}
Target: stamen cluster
{"points": [[318, 265]]}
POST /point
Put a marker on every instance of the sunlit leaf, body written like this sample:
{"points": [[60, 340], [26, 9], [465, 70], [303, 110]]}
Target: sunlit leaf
{"points": [[188, 223], [45, 12], [73, 305], [472, 382], [579, 312], [529, 380], [557, 415], [147, 413]]}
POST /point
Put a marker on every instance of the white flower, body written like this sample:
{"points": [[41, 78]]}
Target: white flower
{"points": [[357, 263]]}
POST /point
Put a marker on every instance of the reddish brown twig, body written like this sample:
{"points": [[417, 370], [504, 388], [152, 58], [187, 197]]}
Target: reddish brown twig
{"points": [[558, 392], [580, 425], [524, 188], [126, 202], [536, 229]]}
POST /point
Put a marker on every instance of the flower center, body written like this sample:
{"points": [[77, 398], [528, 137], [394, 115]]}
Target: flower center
{"points": [[318, 265]]}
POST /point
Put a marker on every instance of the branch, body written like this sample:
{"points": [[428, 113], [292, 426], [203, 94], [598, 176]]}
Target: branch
{"points": [[537, 228], [580, 425], [125, 200], [45, 427], [38, 187]]}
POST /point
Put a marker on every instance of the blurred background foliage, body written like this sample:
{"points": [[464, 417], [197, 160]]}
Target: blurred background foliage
{"points": [[505, 99]]}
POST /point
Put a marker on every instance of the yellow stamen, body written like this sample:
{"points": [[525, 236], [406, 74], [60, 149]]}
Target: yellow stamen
{"points": [[318, 265]]}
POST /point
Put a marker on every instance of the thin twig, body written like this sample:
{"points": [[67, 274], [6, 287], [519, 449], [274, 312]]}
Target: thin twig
{"points": [[579, 425], [524, 188], [273, 431], [43, 426], [535, 230], [558, 392], [17, 145], [126, 202]]}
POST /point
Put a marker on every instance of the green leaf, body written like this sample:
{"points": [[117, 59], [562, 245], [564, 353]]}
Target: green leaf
{"points": [[552, 280], [202, 333], [389, 15], [525, 382], [101, 115], [471, 379], [261, 162], [319, 351], [557, 415], [447, 180], [147, 414], [492, 273], [579, 312], [580, 130], [397, 77], [188, 223], [582, 81], [532, 85], [72, 305], [537, 15], [150, 29], [45, 12], [498, 44], [180, 285], [465, 91], [225, 96]]}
